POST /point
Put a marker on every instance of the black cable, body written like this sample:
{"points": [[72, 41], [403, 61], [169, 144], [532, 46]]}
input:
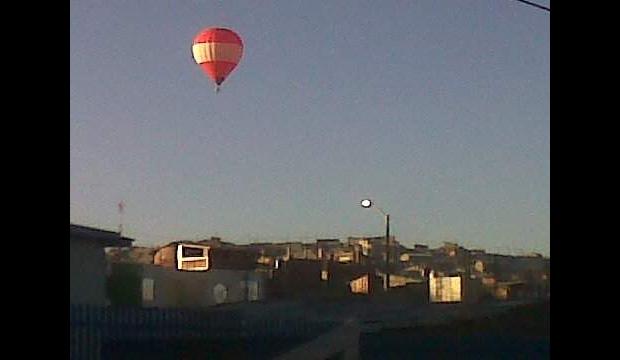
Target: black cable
{"points": [[535, 5]]}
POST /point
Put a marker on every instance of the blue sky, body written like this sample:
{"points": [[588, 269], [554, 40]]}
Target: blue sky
{"points": [[438, 110]]}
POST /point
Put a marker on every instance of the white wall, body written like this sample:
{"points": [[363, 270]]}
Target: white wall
{"points": [[445, 289]]}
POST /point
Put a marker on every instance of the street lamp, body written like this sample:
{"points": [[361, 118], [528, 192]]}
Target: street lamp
{"points": [[367, 204]]}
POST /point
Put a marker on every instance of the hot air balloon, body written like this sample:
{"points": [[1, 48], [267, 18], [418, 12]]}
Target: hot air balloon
{"points": [[217, 51]]}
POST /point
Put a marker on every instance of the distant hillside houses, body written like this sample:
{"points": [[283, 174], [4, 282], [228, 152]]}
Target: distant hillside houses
{"points": [[360, 250], [358, 261]]}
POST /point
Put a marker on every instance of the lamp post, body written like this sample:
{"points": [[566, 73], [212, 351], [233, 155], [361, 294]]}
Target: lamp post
{"points": [[367, 203]]}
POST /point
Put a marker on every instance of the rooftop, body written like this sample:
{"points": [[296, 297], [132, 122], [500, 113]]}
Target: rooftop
{"points": [[105, 237]]}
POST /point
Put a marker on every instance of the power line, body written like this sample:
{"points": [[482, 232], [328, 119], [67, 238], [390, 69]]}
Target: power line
{"points": [[535, 5]]}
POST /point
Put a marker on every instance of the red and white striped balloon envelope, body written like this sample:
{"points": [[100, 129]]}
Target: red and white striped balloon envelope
{"points": [[217, 51]]}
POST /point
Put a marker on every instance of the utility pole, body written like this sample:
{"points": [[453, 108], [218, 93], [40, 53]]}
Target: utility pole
{"points": [[367, 203], [387, 252], [121, 208]]}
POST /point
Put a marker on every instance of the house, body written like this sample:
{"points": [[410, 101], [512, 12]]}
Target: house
{"points": [[373, 250], [284, 251], [189, 274], [327, 248], [87, 263], [303, 278], [196, 256], [445, 289], [134, 254]]}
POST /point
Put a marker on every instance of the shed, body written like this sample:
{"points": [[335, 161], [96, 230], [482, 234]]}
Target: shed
{"points": [[87, 263]]}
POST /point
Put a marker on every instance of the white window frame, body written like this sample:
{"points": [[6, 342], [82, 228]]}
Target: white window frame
{"points": [[181, 259]]}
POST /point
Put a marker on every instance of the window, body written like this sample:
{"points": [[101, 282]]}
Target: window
{"points": [[192, 252], [220, 293], [252, 290], [324, 275], [192, 257], [148, 286]]}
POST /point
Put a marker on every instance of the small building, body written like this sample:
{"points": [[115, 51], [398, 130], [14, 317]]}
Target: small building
{"points": [[87, 263], [134, 255], [188, 274], [367, 284], [346, 255], [445, 289], [327, 248]]}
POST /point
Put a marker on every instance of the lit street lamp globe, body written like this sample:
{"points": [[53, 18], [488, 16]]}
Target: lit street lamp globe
{"points": [[366, 203]]}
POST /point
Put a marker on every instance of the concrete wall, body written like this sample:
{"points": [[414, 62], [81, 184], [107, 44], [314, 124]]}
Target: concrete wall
{"points": [[87, 273], [164, 287], [473, 291]]}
